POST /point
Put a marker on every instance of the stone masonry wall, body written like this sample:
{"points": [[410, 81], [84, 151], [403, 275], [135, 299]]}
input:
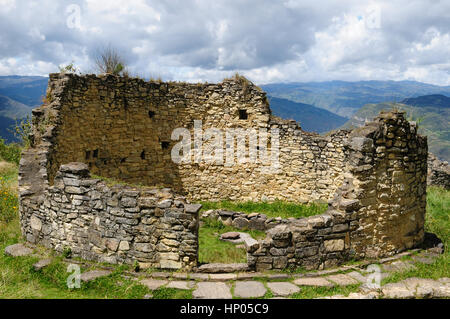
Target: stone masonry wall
{"points": [[113, 224], [377, 212], [122, 129]]}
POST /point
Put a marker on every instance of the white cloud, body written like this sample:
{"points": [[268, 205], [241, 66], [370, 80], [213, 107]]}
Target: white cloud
{"points": [[265, 40]]}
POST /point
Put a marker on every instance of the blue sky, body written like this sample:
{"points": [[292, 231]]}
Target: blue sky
{"points": [[266, 40]]}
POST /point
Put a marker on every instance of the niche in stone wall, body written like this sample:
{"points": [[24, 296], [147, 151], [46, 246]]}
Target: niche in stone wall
{"points": [[165, 145], [243, 115]]}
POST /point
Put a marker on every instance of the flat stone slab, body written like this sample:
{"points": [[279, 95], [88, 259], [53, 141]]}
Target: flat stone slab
{"points": [[160, 275], [212, 290], [18, 250], [354, 295], [94, 274], [397, 290], [230, 235], [249, 289], [153, 284], [196, 276], [342, 280], [427, 288], [178, 284], [398, 266], [423, 260], [222, 277], [222, 268], [313, 281], [356, 275], [282, 288], [42, 264]]}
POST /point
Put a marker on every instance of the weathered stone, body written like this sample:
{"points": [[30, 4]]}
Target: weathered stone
{"points": [[249, 289], [241, 223], [397, 290], [153, 284], [222, 268], [184, 285], [334, 245], [342, 279], [124, 245], [230, 235], [94, 274], [313, 281], [35, 223], [41, 264], [212, 290], [222, 277], [192, 208], [282, 288], [18, 250]]}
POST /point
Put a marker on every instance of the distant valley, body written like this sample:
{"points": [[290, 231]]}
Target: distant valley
{"points": [[431, 112], [18, 96], [345, 98]]}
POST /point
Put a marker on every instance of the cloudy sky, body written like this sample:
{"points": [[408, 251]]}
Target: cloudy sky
{"points": [[207, 40]]}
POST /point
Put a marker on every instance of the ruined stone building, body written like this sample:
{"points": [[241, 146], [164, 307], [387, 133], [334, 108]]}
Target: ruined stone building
{"points": [[94, 130]]}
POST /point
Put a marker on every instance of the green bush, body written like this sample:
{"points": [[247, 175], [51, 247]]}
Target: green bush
{"points": [[9, 203], [10, 152]]}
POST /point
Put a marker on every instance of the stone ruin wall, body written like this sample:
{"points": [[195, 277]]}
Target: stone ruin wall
{"points": [[377, 212], [121, 129]]}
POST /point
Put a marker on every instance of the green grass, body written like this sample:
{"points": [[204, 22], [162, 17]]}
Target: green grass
{"points": [[272, 209], [307, 292], [9, 201], [214, 250], [171, 293]]}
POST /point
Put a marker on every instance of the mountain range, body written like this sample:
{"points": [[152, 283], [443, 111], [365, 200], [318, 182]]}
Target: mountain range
{"points": [[318, 106], [18, 96], [345, 98], [431, 112], [311, 118]]}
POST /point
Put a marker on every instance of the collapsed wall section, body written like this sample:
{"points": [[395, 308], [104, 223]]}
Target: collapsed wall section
{"points": [[378, 211]]}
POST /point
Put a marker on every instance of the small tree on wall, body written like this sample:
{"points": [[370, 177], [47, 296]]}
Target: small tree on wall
{"points": [[109, 61]]}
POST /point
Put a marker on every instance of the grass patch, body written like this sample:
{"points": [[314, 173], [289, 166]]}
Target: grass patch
{"points": [[273, 209], [214, 250], [172, 293], [9, 201], [307, 292]]}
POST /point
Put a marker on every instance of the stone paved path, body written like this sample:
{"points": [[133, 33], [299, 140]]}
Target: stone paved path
{"points": [[313, 281], [218, 282]]}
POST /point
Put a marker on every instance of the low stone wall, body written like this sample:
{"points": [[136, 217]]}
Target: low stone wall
{"points": [[113, 224], [438, 172]]}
